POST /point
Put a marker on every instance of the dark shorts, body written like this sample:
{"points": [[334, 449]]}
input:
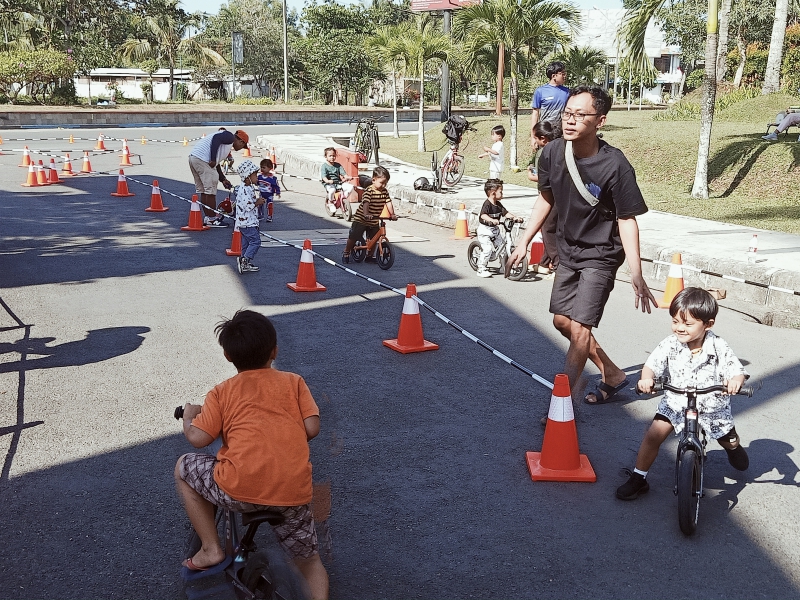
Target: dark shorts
{"points": [[581, 295], [297, 534], [357, 231]]}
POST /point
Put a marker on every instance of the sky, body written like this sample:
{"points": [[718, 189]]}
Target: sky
{"points": [[212, 6]]}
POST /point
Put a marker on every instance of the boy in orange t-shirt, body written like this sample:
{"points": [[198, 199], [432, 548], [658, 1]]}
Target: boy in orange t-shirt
{"points": [[265, 418]]}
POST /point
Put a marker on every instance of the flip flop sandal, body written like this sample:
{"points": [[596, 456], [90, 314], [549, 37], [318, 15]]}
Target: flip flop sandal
{"points": [[610, 393]]}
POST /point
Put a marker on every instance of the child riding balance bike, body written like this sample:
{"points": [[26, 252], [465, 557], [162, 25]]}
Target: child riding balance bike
{"points": [[494, 242], [368, 220]]}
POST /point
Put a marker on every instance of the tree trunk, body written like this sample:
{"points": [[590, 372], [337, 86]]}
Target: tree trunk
{"points": [[700, 186], [740, 45], [395, 126], [501, 67], [722, 48], [421, 117], [772, 78], [513, 105]]}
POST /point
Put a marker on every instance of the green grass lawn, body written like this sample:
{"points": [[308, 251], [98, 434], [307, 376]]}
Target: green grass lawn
{"points": [[752, 182]]}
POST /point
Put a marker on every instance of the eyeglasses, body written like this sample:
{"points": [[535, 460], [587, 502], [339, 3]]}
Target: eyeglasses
{"points": [[567, 115]]}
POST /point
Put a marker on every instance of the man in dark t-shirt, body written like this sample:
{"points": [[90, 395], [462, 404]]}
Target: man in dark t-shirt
{"points": [[593, 240]]}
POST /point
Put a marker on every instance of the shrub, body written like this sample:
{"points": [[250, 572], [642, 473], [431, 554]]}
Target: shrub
{"points": [[790, 70], [39, 71], [694, 80]]}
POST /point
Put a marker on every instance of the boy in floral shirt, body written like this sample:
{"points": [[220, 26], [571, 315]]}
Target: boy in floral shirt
{"points": [[247, 204]]}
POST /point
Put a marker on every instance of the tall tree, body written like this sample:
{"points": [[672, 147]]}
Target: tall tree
{"points": [[167, 38], [419, 43], [385, 43], [583, 63], [516, 28], [633, 31], [772, 78]]}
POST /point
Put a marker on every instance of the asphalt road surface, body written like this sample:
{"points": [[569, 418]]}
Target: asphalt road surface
{"points": [[106, 324]]}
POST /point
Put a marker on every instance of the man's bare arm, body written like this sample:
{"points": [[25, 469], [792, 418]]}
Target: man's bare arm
{"points": [[629, 234]]}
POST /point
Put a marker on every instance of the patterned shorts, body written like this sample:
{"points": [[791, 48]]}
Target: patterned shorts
{"points": [[716, 423], [297, 535]]}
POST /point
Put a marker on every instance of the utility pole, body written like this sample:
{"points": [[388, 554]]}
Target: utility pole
{"points": [[445, 96], [285, 57], [237, 55]]}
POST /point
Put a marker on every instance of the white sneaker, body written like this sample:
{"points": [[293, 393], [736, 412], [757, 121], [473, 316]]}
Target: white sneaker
{"points": [[772, 137], [208, 222], [484, 273]]}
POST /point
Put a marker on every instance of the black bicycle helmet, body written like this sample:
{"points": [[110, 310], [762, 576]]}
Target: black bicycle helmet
{"points": [[422, 184]]}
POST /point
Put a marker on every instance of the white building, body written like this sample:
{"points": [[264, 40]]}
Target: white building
{"points": [[600, 32]]}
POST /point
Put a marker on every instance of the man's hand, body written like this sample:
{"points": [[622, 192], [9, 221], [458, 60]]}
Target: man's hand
{"points": [[643, 294], [516, 257], [190, 411], [226, 184], [212, 164]]}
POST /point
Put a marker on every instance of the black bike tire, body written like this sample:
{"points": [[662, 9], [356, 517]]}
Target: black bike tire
{"points": [[375, 143], [359, 253], [348, 209], [473, 252], [688, 491], [385, 255], [269, 575], [518, 273]]}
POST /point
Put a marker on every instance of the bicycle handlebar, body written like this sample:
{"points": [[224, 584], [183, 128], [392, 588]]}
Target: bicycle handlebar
{"points": [[660, 386], [178, 413]]}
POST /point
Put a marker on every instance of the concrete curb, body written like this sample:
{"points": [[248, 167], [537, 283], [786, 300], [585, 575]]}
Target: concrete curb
{"points": [[770, 307]]}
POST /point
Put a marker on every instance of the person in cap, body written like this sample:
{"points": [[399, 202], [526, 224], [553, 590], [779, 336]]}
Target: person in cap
{"points": [[204, 162]]}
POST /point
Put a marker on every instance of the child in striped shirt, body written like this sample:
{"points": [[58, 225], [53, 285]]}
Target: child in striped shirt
{"points": [[367, 217]]}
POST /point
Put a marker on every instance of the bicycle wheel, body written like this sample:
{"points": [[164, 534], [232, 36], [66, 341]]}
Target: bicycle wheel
{"points": [[453, 171], [385, 255], [329, 208], [347, 209], [359, 252], [689, 491], [375, 143], [519, 270], [473, 252], [268, 575]]}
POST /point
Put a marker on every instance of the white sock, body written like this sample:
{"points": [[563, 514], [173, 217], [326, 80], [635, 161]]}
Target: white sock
{"points": [[642, 473]]}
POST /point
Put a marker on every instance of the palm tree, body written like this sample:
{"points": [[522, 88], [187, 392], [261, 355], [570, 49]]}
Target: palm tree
{"points": [[632, 33], [417, 44], [168, 26], [385, 43], [583, 63], [772, 78], [516, 28]]}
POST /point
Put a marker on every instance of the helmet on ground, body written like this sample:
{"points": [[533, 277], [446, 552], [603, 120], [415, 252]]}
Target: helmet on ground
{"points": [[422, 184], [226, 206], [246, 168]]}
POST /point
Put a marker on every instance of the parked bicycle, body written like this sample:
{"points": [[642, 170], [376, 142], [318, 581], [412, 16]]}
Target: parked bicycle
{"points": [[503, 247], [451, 169], [691, 455], [367, 140], [250, 572], [377, 247]]}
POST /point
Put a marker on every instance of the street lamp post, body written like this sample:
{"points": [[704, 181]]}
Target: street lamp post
{"points": [[285, 58], [616, 61]]}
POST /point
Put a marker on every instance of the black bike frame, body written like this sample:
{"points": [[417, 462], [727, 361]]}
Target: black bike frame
{"points": [[690, 438]]}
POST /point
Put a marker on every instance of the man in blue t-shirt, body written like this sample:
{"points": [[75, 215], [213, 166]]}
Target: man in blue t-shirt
{"points": [[550, 99]]}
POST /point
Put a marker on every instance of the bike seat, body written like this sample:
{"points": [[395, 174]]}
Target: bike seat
{"points": [[273, 517]]}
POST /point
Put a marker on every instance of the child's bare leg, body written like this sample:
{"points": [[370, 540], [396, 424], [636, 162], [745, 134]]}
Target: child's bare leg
{"points": [[201, 514], [315, 574], [655, 436]]}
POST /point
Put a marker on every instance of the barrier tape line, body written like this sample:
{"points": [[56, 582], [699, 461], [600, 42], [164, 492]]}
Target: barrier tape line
{"points": [[765, 286], [94, 139], [427, 307]]}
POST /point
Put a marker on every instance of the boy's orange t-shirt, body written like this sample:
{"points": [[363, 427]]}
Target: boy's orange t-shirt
{"points": [[264, 457]]}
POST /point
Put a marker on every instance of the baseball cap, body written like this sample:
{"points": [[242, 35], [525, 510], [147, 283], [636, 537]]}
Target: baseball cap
{"points": [[242, 136]]}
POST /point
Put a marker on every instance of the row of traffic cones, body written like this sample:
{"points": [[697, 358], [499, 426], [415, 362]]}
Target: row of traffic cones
{"points": [[38, 173]]}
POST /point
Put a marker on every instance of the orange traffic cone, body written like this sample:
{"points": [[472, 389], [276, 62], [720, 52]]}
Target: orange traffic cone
{"points": [[126, 157], [53, 172], [306, 276], [122, 186], [87, 166], [156, 203], [560, 459], [71, 139], [66, 170], [100, 143], [33, 180], [41, 174], [462, 228], [409, 337], [144, 140], [26, 157], [272, 156], [195, 217], [674, 281], [236, 243], [246, 152], [384, 213], [185, 141], [537, 249]]}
